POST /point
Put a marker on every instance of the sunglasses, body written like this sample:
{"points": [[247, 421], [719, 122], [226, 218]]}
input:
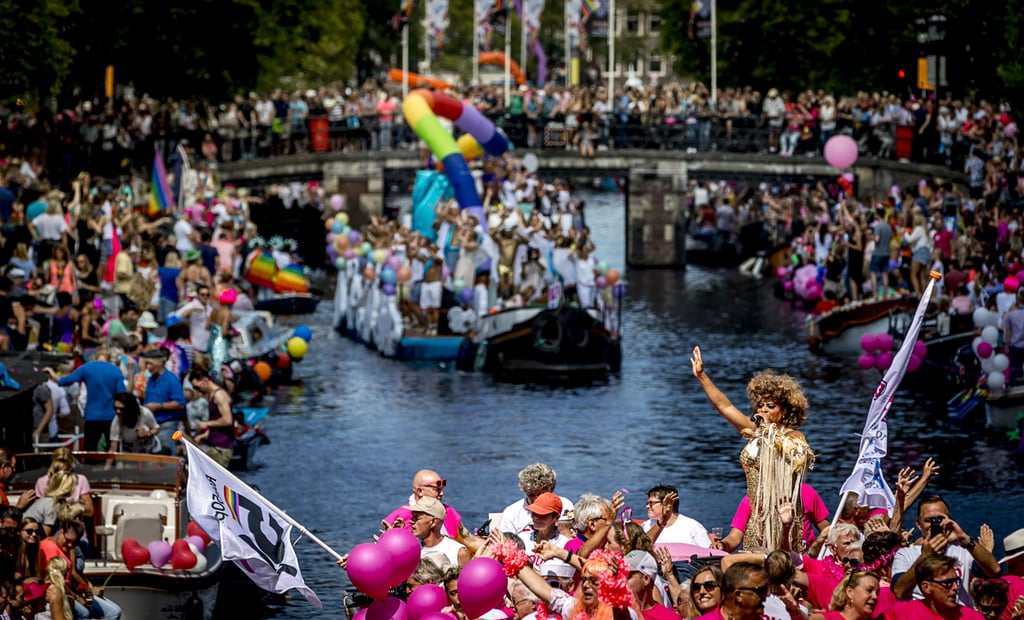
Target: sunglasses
{"points": [[31, 531], [991, 609], [945, 583], [707, 585], [851, 562], [440, 484], [761, 592]]}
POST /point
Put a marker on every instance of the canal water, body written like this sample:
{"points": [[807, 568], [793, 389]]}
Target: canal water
{"points": [[346, 442]]}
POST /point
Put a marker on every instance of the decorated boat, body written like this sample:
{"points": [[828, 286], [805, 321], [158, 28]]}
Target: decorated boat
{"points": [[1004, 408], [279, 290], [839, 331], [139, 500]]}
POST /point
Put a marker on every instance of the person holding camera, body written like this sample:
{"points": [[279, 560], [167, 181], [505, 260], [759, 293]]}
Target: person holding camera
{"points": [[942, 536]]}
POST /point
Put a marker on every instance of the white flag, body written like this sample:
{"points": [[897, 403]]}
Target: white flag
{"points": [[866, 480], [250, 532]]}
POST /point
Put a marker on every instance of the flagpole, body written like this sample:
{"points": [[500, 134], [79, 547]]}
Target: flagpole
{"points": [[568, 48], [405, 60], [611, 50], [522, 35], [508, 61], [714, 53], [476, 45], [179, 436]]}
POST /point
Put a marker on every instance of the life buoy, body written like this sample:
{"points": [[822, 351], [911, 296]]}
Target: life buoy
{"points": [[547, 334], [577, 329]]}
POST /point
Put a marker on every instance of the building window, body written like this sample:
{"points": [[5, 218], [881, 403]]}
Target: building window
{"points": [[654, 24], [632, 22], [654, 64]]}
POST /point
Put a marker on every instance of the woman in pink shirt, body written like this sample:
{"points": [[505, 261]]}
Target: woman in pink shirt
{"points": [[855, 597]]}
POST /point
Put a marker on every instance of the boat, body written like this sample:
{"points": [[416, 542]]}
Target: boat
{"points": [[544, 342], [838, 331], [1004, 409], [258, 339], [708, 248], [289, 303], [243, 458], [141, 497], [949, 364]]}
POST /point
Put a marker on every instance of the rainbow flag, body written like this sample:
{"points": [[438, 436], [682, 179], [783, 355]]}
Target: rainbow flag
{"points": [[262, 270], [588, 7], [160, 196], [291, 280]]}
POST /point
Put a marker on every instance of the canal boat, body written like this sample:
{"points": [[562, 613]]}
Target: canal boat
{"points": [[140, 497], [838, 332]]}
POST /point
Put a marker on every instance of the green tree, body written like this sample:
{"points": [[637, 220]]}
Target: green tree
{"points": [[35, 53]]}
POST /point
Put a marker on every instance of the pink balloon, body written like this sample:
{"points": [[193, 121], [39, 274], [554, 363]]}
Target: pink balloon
{"points": [[160, 552], [1020, 276], [337, 202], [404, 549], [360, 615], [425, 599], [390, 608], [884, 342], [866, 360], [601, 282], [438, 615], [1011, 284], [813, 292], [848, 177], [198, 542], [914, 363], [787, 285], [920, 349], [984, 350], [369, 569], [482, 585], [869, 342], [841, 151], [884, 360]]}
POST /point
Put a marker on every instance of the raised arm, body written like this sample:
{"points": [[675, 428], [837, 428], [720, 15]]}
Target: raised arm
{"points": [[719, 400]]}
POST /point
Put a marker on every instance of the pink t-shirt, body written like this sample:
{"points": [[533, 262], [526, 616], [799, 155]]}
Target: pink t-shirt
{"points": [[226, 253], [659, 612], [815, 511], [451, 520], [1015, 592], [916, 610], [82, 488], [386, 109]]}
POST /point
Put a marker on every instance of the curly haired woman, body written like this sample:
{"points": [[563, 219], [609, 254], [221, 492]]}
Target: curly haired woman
{"points": [[776, 457]]}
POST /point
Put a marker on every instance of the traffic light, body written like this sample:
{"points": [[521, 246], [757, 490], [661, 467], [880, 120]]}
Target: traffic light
{"points": [[901, 74]]}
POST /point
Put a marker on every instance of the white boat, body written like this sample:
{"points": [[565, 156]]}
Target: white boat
{"points": [[1003, 408], [257, 336], [838, 331], [141, 497]]}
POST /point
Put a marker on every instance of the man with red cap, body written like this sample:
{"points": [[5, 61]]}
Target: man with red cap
{"points": [[544, 513]]}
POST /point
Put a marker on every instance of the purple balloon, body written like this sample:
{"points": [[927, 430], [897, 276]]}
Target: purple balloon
{"points": [[884, 360], [160, 553], [198, 542], [913, 363], [390, 608], [388, 289], [481, 584], [869, 342], [884, 342], [369, 569], [484, 266], [404, 549], [920, 349], [424, 600], [601, 282], [394, 262], [349, 254], [866, 361], [466, 296], [619, 291], [354, 237]]}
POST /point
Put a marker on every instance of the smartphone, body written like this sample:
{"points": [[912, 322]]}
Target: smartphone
{"points": [[936, 526]]}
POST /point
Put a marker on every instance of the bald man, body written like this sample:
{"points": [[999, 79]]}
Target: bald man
{"points": [[427, 483]]}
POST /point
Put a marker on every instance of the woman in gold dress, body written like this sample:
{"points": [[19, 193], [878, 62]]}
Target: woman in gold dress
{"points": [[776, 457]]}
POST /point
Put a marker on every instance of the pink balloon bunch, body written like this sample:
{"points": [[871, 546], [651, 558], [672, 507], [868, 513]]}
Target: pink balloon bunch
{"points": [[374, 568], [877, 351], [805, 283], [482, 584], [426, 599]]}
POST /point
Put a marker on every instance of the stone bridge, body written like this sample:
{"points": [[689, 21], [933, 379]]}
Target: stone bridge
{"points": [[656, 183]]}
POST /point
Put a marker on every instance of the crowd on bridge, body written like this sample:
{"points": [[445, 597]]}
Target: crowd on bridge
{"points": [[118, 136]]}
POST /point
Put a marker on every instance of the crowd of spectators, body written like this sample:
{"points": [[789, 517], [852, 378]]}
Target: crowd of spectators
{"points": [[118, 136]]}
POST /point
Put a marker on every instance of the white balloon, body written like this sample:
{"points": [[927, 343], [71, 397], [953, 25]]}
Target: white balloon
{"points": [[996, 380], [200, 559], [980, 317], [990, 334], [987, 365], [1000, 362]]}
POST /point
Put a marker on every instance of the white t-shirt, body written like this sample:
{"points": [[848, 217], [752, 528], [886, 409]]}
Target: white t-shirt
{"points": [[197, 323], [906, 557], [50, 227], [683, 530], [182, 232], [444, 553]]}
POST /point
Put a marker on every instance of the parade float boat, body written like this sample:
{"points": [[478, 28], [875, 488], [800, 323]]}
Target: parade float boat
{"points": [[289, 303], [280, 290], [838, 331], [140, 497], [1004, 409]]}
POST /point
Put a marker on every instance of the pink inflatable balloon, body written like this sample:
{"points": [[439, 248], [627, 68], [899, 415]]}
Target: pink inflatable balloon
{"points": [[884, 342], [337, 202], [841, 151], [866, 361], [1020, 276], [360, 615], [369, 569], [438, 615], [390, 608], [869, 342], [481, 585], [984, 350], [198, 542], [913, 363], [920, 349], [424, 600], [1011, 284], [884, 360], [781, 272], [160, 552], [404, 549], [787, 286]]}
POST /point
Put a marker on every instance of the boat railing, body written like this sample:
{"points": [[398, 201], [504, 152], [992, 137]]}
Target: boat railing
{"points": [[64, 440]]}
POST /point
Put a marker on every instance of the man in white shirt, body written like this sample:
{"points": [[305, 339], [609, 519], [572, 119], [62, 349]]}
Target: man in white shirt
{"points": [[183, 235], [534, 480], [666, 525], [428, 515]]}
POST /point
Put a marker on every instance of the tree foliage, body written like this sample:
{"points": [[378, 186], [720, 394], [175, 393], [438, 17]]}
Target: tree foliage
{"points": [[35, 52]]}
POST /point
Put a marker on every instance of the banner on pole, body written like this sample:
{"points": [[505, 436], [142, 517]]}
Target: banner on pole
{"points": [[250, 532], [436, 24]]}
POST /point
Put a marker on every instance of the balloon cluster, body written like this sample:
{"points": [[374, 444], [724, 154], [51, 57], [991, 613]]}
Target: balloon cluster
{"points": [[184, 554], [608, 275], [375, 568], [993, 364], [878, 353], [807, 282]]}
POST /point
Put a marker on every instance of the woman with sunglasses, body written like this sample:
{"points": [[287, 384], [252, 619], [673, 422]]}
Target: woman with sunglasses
{"points": [[30, 533], [705, 591], [776, 457], [855, 597]]}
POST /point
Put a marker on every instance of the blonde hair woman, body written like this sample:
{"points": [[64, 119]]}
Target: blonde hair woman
{"points": [[56, 595], [62, 459]]}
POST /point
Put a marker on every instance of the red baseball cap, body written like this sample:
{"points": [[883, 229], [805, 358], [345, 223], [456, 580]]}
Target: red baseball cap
{"points": [[545, 504]]}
